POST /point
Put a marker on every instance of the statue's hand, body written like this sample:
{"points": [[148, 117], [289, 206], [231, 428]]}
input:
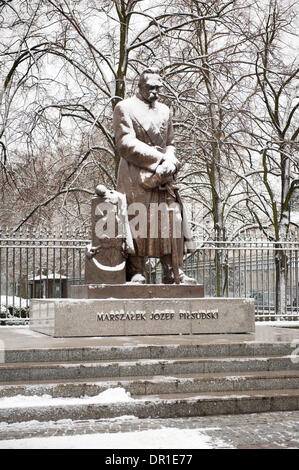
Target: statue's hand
{"points": [[166, 168], [170, 157]]}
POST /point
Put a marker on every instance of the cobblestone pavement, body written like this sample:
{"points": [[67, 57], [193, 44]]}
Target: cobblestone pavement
{"points": [[279, 430]]}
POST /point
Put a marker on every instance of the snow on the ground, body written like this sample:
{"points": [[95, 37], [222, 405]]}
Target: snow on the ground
{"points": [[166, 438], [279, 323], [13, 301], [111, 395]]}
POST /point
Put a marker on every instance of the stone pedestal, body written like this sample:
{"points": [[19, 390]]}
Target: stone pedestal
{"points": [[136, 291], [121, 317], [107, 306]]}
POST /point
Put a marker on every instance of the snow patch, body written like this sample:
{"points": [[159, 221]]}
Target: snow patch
{"points": [[235, 378], [137, 279], [279, 323], [111, 395], [15, 301], [166, 438]]}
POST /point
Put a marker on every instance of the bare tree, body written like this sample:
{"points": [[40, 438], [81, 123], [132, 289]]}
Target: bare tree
{"points": [[211, 80], [66, 64], [276, 130]]}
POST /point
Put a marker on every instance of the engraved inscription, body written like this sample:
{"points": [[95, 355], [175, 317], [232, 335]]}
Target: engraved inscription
{"points": [[159, 315], [162, 316], [101, 316], [201, 315]]}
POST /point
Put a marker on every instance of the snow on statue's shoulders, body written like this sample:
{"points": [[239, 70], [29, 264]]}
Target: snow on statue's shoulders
{"points": [[136, 107]]}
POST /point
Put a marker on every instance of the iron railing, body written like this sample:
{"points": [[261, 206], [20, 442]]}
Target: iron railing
{"points": [[248, 267], [38, 264], [44, 264]]}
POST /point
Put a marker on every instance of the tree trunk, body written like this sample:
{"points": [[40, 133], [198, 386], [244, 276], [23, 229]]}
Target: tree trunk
{"points": [[281, 278]]}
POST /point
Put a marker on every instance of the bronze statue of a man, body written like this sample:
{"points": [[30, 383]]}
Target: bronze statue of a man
{"points": [[148, 165]]}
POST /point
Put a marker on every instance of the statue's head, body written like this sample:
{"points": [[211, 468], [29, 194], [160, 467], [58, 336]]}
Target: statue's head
{"points": [[150, 84]]}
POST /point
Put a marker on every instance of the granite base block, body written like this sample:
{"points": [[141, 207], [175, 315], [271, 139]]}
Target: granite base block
{"points": [[136, 291], [127, 317]]}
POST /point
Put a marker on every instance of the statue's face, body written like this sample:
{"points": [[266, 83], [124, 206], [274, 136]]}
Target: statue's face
{"points": [[150, 87]]}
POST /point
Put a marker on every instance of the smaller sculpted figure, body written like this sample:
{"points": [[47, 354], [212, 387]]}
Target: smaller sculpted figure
{"points": [[148, 166], [111, 238]]}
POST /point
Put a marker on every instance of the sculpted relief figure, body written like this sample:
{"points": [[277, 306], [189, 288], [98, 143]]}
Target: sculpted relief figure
{"points": [[147, 170]]}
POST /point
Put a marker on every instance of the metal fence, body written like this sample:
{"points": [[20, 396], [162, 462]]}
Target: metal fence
{"points": [[249, 268], [44, 264], [38, 264]]}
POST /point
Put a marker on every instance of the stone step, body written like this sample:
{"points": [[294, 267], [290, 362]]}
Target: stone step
{"points": [[168, 351], [24, 372], [181, 383], [162, 406]]}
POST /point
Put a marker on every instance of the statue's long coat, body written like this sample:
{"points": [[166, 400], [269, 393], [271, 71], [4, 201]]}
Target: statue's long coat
{"points": [[139, 128]]}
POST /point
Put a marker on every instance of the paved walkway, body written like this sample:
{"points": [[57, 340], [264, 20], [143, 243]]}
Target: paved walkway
{"points": [[279, 430], [21, 337]]}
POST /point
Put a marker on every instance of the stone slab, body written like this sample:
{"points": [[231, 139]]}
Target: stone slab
{"points": [[174, 407], [94, 267], [20, 343], [136, 291], [125, 317], [108, 264], [147, 385]]}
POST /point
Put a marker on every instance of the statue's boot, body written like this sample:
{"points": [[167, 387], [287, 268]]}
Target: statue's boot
{"points": [[135, 269], [168, 277], [167, 272], [184, 279]]}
